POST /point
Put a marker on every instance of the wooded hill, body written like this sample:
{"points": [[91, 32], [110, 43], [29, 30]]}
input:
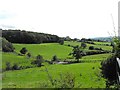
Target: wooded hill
{"points": [[28, 37]]}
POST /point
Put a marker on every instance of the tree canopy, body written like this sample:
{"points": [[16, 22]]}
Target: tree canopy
{"points": [[27, 37]]}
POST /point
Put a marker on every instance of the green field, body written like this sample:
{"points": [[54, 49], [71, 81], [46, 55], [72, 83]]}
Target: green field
{"points": [[102, 43], [46, 50], [109, 48], [87, 74], [14, 58], [96, 57], [23, 78]]}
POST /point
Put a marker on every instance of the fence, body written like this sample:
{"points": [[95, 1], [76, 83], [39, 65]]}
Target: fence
{"points": [[118, 70]]}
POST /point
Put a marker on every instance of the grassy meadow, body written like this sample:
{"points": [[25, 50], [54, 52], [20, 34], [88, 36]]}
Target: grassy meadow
{"points": [[97, 45], [46, 50], [87, 74]]}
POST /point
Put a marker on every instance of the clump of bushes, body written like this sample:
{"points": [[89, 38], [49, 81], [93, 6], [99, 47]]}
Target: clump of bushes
{"points": [[38, 61], [109, 67], [96, 52], [83, 45], [7, 46], [10, 67], [15, 67], [98, 48], [108, 70], [23, 50], [29, 55], [61, 41], [55, 59], [91, 48], [90, 42]]}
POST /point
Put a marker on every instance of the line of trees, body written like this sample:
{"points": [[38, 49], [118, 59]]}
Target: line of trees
{"points": [[27, 37]]}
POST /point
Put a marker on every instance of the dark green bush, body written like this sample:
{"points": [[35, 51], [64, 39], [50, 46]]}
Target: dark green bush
{"points": [[15, 67], [54, 58], [7, 46], [109, 66], [39, 60], [23, 50], [83, 45], [28, 55], [108, 69], [8, 66], [61, 41], [91, 48]]}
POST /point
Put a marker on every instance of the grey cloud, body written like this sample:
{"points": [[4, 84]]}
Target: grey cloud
{"points": [[7, 26]]}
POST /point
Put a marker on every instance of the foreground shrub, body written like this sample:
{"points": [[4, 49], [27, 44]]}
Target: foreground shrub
{"points": [[108, 68], [66, 80]]}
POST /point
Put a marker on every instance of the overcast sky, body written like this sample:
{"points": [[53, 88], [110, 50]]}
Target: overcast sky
{"points": [[74, 18]]}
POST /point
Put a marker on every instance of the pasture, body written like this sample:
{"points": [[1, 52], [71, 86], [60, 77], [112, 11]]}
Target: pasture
{"points": [[97, 45], [46, 50], [87, 74]]}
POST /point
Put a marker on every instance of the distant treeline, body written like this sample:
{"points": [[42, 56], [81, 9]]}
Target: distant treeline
{"points": [[27, 37]]}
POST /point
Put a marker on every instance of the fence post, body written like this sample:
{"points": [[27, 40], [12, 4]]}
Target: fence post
{"points": [[119, 19], [118, 70]]}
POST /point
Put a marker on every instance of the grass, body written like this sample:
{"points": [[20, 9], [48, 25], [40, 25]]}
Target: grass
{"points": [[46, 50], [85, 75], [103, 43], [96, 57], [14, 58], [109, 48]]}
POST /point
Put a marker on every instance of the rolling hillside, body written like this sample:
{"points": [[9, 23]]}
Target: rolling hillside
{"points": [[87, 74]]}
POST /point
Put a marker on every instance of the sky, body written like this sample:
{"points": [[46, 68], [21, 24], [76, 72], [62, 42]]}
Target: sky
{"points": [[74, 18]]}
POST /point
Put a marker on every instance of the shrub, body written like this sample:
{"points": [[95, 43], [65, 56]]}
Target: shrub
{"points": [[38, 61], [54, 58], [108, 68], [8, 66], [77, 52], [7, 46], [69, 45], [83, 45], [91, 48], [97, 48], [23, 50], [29, 55], [15, 67], [66, 80]]}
